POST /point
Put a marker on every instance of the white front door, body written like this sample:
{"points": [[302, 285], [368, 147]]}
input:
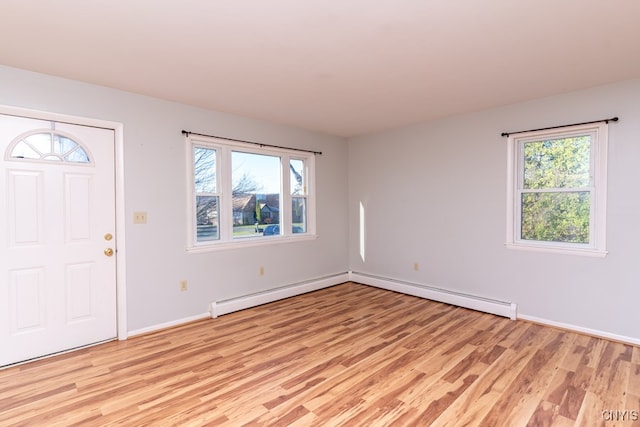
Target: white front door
{"points": [[57, 237]]}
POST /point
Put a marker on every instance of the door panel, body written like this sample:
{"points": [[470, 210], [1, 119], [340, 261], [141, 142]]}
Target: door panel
{"points": [[79, 278], [24, 204], [59, 287], [77, 199], [27, 311]]}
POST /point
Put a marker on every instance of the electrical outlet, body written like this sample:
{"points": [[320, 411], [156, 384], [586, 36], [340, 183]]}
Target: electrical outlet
{"points": [[183, 285], [139, 217], [416, 266]]}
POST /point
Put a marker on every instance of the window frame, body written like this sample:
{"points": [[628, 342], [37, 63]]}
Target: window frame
{"points": [[597, 190], [224, 186]]}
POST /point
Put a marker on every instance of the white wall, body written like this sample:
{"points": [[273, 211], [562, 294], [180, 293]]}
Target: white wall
{"points": [[155, 181], [435, 193]]}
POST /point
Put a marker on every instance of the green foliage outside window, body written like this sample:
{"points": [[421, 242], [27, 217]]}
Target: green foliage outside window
{"points": [[555, 193]]}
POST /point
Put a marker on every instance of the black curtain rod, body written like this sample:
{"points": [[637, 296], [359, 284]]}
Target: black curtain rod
{"points": [[187, 133], [613, 119]]}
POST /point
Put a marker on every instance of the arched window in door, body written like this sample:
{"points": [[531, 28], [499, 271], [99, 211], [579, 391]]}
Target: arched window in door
{"points": [[48, 145]]}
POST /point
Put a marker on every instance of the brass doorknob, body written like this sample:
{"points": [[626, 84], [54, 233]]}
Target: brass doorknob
{"points": [[108, 252], [108, 237]]}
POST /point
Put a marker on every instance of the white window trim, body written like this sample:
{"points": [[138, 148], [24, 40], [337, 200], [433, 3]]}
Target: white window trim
{"points": [[598, 192], [224, 183]]}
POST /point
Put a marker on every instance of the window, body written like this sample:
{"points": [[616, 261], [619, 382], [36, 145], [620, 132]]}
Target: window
{"points": [[49, 146], [243, 194], [557, 190]]}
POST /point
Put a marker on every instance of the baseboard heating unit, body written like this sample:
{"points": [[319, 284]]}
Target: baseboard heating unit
{"points": [[218, 308], [500, 308]]}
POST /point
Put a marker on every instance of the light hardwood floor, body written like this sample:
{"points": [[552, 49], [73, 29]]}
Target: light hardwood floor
{"points": [[348, 355]]}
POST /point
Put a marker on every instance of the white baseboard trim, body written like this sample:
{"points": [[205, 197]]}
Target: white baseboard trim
{"points": [[580, 329], [500, 308], [171, 324], [219, 308]]}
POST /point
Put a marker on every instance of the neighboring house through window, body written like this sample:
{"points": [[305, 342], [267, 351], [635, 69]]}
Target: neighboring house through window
{"points": [[557, 190]]}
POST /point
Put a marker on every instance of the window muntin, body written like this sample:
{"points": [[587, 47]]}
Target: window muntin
{"points": [[557, 192], [244, 195]]}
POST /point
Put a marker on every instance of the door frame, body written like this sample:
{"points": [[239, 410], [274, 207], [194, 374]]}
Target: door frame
{"points": [[121, 302]]}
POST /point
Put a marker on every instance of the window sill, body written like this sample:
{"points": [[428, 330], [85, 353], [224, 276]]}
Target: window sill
{"points": [[248, 243], [594, 253]]}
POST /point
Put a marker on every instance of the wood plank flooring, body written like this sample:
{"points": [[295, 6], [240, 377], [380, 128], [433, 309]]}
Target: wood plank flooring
{"points": [[350, 355]]}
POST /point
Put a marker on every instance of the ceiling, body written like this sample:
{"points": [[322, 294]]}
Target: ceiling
{"points": [[341, 67]]}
